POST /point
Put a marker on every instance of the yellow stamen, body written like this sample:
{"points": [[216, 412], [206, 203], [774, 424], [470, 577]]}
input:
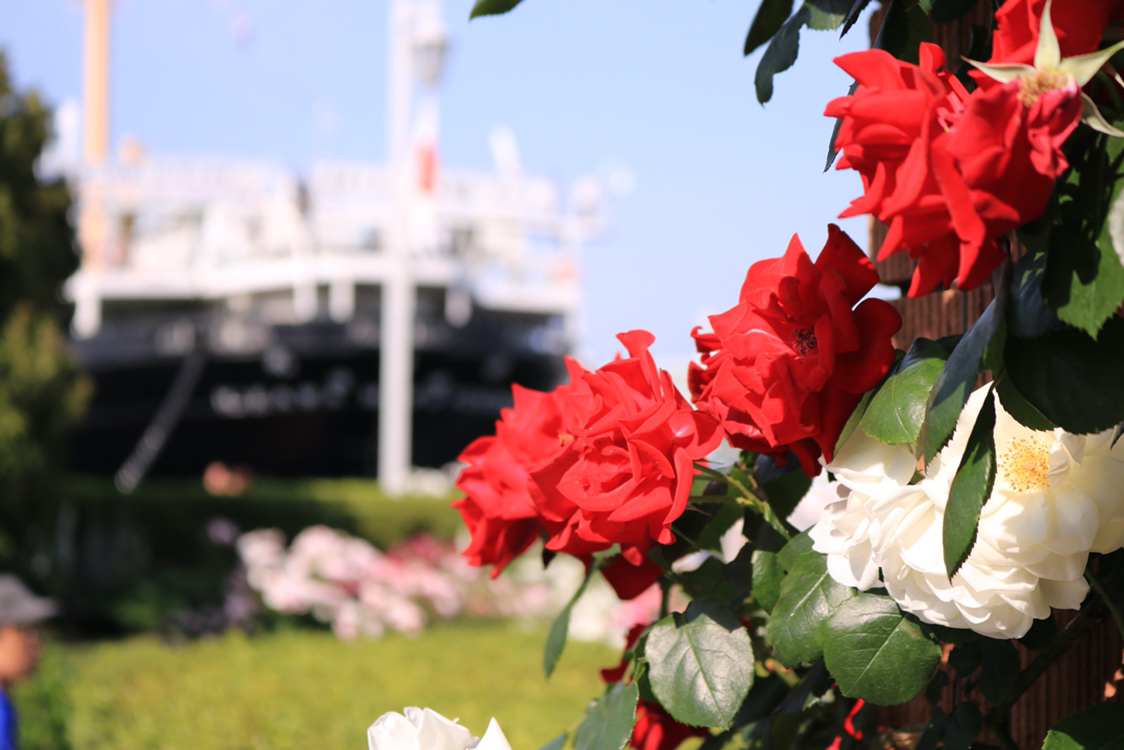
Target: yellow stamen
{"points": [[1041, 82], [1025, 463]]}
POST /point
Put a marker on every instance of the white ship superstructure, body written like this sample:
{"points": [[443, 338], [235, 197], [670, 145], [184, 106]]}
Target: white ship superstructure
{"points": [[253, 293]]}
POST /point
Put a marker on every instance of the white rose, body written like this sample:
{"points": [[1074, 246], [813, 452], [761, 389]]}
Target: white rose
{"points": [[425, 729], [1056, 498]]}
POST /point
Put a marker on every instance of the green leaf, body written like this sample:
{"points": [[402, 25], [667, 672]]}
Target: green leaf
{"points": [[1084, 278], [857, 7], [1045, 369], [1015, 404], [933, 733], [557, 743], [492, 7], [903, 28], [701, 664], [958, 378], [785, 492], [766, 23], [966, 658], [560, 628], [799, 545], [897, 409], [722, 517], [708, 580], [826, 15], [609, 721], [768, 572], [934, 691], [1000, 670], [964, 726], [856, 416], [1028, 315], [875, 653], [1098, 728], [832, 152], [780, 54], [1041, 634], [816, 682], [808, 596], [766, 694], [739, 571], [1086, 281], [971, 487]]}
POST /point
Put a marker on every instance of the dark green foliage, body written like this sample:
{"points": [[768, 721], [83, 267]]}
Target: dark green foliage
{"points": [[41, 392]]}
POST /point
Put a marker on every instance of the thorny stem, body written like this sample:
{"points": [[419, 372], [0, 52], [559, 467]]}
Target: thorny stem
{"points": [[749, 498], [1113, 607], [726, 479], [665, 598]]}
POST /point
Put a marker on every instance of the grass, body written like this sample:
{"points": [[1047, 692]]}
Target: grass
{"points": [[305, 689]]}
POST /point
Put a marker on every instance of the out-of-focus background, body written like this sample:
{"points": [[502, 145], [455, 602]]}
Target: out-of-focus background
{"points": [[268, 267]]}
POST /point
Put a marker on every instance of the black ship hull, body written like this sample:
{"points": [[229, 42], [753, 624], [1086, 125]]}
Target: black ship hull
{"points": [[303, 403]]}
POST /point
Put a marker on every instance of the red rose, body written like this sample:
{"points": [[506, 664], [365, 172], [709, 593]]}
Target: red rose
{"points": [[785, 367], [497, 507], [1079, 25], [629, 581], [949, 172], [629, 443], [656, 729]]}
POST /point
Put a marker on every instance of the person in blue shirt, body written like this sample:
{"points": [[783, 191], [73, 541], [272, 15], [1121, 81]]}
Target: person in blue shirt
{"points": [[20, 612]]}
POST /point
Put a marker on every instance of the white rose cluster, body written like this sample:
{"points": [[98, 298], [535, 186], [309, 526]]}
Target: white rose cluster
{"points": [[1057, 497]]}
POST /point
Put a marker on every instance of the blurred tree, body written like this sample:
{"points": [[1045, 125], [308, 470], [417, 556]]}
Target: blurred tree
{"points": [[42, 392]]}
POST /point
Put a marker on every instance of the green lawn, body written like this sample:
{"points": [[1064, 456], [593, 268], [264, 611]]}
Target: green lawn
{"points": [[303, 689]]}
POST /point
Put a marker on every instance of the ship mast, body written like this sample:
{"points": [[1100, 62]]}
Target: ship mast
{"points": [[416, 51]]}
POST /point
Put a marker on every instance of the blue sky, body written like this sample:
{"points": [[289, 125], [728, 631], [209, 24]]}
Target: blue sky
{"points": [[657, 86]]}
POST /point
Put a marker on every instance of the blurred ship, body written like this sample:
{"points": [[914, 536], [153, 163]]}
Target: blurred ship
{"points": [[361, 319]]}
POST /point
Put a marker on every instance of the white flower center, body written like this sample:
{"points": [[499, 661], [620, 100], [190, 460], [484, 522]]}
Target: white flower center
{"points": [[1025, 463]]}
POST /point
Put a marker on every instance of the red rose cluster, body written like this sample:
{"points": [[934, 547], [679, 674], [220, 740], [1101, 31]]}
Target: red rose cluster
{"points": [[606, 459], [951, 171], [785, 367]]}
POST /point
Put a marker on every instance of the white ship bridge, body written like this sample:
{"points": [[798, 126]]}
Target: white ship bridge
{"points": [[248, 292]]}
